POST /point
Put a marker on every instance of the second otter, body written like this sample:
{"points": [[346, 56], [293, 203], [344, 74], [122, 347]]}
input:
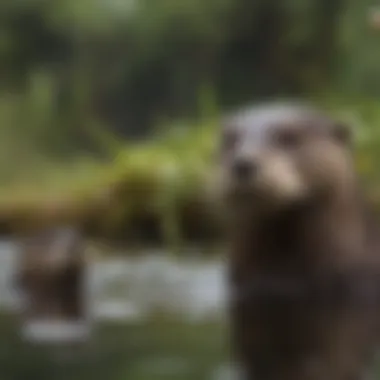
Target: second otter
{"points": [[51, 277], [304, 255]]}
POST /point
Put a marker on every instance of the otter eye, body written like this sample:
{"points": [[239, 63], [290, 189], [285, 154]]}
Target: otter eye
{"points": [[288, 139]]}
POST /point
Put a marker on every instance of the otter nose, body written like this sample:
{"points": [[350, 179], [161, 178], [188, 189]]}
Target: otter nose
{"points": [[244, 169]]}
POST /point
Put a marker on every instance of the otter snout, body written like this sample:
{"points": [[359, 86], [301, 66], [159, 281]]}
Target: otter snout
{"points": [[266, 177]]}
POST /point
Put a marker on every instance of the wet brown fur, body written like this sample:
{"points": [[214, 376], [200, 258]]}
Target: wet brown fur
{"points": [[52, 284], [303, 279]]}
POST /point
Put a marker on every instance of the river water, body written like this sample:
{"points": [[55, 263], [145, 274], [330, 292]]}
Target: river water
{"points": [[156, 317]]}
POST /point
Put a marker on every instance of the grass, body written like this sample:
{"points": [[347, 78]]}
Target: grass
{"points": [[154, 178], [161, 181], [150, 350]]}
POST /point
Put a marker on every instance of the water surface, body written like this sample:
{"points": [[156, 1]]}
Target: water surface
{"points": [[157, 317]]}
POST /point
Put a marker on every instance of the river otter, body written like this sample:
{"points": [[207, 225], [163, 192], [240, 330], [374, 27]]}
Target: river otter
{"points": [[303, 263], [50, 276]]}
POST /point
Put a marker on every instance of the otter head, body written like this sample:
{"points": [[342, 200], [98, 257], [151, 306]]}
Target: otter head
{"points": [[280, 156]]}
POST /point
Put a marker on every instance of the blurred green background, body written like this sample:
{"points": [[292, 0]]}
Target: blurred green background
{"points": [[111, 107], [109, 114]]}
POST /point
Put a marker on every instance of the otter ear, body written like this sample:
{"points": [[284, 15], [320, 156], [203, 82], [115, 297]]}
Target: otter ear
{"points": [[342, 133]]}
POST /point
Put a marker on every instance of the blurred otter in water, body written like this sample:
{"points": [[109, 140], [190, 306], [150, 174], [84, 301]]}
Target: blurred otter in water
{"points": [[304, 257], [50, 276]]}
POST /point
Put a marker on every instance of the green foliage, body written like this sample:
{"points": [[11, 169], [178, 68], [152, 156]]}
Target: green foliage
{"points": [[132, 61], [81, 76], [137, 350], [160, 178]]}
